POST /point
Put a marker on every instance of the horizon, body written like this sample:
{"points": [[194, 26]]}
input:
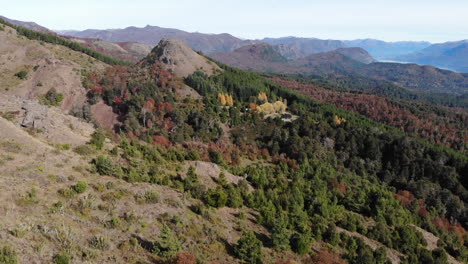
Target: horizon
{"points": [[430, 20]]}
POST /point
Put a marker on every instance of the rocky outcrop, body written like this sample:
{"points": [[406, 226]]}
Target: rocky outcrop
{"points": [[176, 56], [35, 114]]}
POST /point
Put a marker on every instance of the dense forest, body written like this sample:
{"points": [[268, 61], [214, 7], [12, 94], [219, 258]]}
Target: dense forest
{"points": [[317, 173], [354, 82], [436, 124]]}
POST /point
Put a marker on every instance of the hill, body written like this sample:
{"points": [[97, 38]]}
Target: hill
{"points": [[207, 43], [30, 68], [29, 25], [449, 55], [176, 56]]}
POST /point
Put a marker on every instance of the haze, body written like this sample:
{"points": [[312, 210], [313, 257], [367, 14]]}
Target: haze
{"points": [[435, 21]]}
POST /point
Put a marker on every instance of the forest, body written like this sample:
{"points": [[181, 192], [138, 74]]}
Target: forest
{"points": [[316, 179]]}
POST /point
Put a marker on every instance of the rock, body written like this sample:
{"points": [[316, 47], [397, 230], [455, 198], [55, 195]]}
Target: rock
{"points": [[35, 114]]}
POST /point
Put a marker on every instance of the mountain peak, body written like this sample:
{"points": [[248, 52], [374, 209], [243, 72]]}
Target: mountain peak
{"points": [[175, 55]]}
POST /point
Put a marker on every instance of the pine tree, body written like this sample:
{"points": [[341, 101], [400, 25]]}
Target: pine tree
{"points": [[249, 248], [167, 245]]}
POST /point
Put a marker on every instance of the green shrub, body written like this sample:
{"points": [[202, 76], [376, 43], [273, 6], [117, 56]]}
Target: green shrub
{"points": [[104, 165], [40, 84], [22, 75], [52, 98], [80, 187], [97, 139], [151, 197], [249, 248], [62, 258], [8, 255], [84, 150], [216, 197]]}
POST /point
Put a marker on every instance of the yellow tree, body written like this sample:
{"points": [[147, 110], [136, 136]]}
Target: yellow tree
{"points": [[229, 100], [222, 98]]}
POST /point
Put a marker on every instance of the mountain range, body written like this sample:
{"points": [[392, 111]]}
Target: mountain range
{"points": [[449, 55]]}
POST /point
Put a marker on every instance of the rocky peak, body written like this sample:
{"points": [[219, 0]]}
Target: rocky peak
{"points": [[176, 56]]}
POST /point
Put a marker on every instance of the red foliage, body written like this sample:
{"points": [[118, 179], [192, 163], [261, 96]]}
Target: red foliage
{"points": [[184, 258], [442, 129], [324, 256], [336, 185], [405, 197], [161, 141], [444, 224]]}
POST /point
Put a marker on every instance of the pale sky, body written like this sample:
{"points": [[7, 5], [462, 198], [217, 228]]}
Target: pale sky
{"points": [[389, 20]]}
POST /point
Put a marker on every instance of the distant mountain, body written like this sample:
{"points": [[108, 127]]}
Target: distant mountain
{"points": [[448, 55], [265, 58], [28, 25], [259, 57], [385, 50], [351, 62], [207, 43], [294, 48], [357, 54]]}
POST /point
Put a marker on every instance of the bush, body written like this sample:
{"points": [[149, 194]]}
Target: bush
{"points": [[104, 165], [80, 187], [52, 98], [22, 75], [151, 197], [97, 139], [216, 198], [249, 248], [84, 150], [8, 255], [62, 258]]}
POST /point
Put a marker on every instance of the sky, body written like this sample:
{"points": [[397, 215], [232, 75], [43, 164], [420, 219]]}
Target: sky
{"points": [[389, 20]]}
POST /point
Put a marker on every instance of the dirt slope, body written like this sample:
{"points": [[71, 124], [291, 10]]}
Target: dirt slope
{"points": [[47, 66]]}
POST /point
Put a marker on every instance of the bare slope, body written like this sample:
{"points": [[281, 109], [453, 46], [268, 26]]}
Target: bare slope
{"points": [[47, 66]]}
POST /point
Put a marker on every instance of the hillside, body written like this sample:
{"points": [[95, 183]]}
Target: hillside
{"points": [[207, 43], [44, 66], [448, 55], [29, 25]]}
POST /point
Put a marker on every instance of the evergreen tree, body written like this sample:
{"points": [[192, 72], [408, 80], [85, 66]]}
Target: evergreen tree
{"points": [[168, 244], [249, 248]]}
